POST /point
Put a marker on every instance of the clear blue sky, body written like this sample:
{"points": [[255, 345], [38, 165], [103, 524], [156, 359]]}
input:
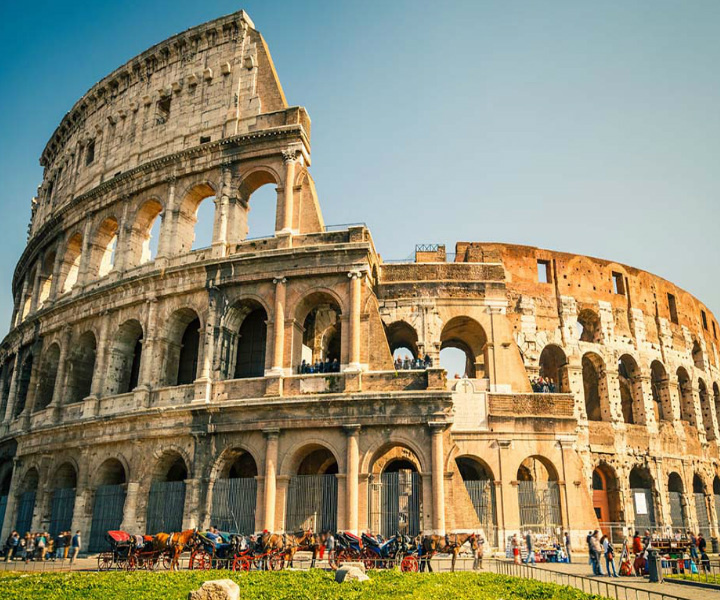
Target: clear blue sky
{"points": [[589, 127]]}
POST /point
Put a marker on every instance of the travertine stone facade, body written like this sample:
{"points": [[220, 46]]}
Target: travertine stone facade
{"points": [[134, 373]]}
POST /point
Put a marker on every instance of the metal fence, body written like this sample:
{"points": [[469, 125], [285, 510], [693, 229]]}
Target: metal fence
{"points": [[107, 515], [312, 503], [701, 510], [61, 513], [482, 495], [644, 508], [233, 504], [689, 570], [677, 511], [3, 507], [395, 503], [539, 506], [166, 505], [26, 506]]}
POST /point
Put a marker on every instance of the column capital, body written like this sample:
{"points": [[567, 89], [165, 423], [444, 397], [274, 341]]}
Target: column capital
{"points": [[438, 426], [290, 155], [356, 274], [279, 279], [352, 429], [271, 434]]}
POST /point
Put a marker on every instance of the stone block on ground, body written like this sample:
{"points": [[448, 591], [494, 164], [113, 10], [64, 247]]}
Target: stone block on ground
{"points": [[347, 573], [218, 589]]}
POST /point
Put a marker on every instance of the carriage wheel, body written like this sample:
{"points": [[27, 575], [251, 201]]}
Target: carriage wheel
{"points": [[151, 563], [240, 563], [409, 564], [369, 559], [105, 561], [277, 562], [341, 557], [166, 561], [200, 560], [131, 564]]}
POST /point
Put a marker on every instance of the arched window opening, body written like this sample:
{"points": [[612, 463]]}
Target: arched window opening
{"points": [[662, 406], [183, 345], [81, 367], [312, 493], [63, 499], [553, 368], [108, 503], [641, 488], [125, 357], [7, 373], [70, 268], [716, 400], [204, 221], [46, 278], [687, 402], [189, 347], [716, 494], [145, 234], [539, 496], [23, 385], [606, 499], [631, 394], [27, 301], [105, 246], [322, 333], [48, 377], [598, 482], [195, 220], [234, 494], [678, 508], [588, 326], [466, 334], [701, 507], [166, 502], [706, 410], [454, 361], [26, 501], [697, 355], [480, 485], [402, 339], [595, 387], [261, 209], [252, 340]]}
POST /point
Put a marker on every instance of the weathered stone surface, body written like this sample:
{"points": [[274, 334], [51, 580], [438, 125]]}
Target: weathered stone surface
{"points": [[348, 573], [217, 589]]}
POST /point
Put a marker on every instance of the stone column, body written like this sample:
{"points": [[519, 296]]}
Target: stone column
{"points": [[271, 457], [124, 233], [57, 398], [57, 267], [36, 282], [146, 361], [354, 321], [278, 361], [129, 522], [203, 384], [221, 239], [100, 355], [352, 433], [191, 508], [438, 477], [12, 391], [84, 268], [167, 228], [290, 158]]}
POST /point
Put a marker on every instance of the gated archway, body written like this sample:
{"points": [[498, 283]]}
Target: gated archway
{"points": [[678, 509], [701, 507], [6, 470], [26, 501], [109, 503], [63, 499], [235, 494], [641, 488], [312, 492], [395, 493], [166, 501], [606, 501], [480, 484], [539, 496], [716, 497]]}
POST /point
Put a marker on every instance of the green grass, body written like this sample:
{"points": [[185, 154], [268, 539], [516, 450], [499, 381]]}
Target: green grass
{"points": [[295, 585], [701, 577]]}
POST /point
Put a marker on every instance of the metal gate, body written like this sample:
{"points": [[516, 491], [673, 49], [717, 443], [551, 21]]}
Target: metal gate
{"points": [[107, 515], [166, 506], [644, 508], [312, 503], [678, 516], [716, 497], [233, 504], [482, 494], [539, 506], [701, 510], [61, 515], [26, 506], [395, 504], [3, 506]]}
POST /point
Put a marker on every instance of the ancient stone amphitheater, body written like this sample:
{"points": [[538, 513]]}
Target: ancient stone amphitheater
{"points": [[161, 388]]}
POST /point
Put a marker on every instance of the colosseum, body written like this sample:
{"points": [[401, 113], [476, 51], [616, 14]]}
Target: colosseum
{"points": [[253, 384]]}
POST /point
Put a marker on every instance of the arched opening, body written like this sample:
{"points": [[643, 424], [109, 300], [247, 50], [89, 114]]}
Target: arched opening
{"points": [[46, 278], [81, 367], [631, 394], [480, 485], [395, 492], [23, 384], [145, 234], [588, 326], [124, 360], [466, 334], [716, 400], [553, 368], [183, 345], [26, 501], [6, 471], [166, 501], [687, 402], [595, 388], [235, 493], [312, 492], [697, 356], [27, 301], [104, 247], [196, 219], [70, 268], [321, 348], [706, 410], [539, 496], [7, 374], [47, 377], [260, 219], [716, 495], [678, 509], [701, 507], [606, 500], [109, 502], [402, 339], [659, 381], [63, 499], [641, 488]]}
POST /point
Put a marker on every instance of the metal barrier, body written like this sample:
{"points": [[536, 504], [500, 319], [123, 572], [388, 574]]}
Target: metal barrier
{"points": [[707, 572]]}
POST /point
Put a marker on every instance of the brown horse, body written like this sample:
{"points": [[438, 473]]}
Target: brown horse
{"points": [[175, 543], [300, 541], [446, 544]]}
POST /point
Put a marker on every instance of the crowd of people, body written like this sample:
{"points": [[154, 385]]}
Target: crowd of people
{"points": [[328, 366], [543, 385], [408, 363], [42, 546]]}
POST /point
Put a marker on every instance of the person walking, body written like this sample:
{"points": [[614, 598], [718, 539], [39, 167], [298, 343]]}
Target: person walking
{"points": [[330, 549], [693, 547], [567, 547], [75, 545], [68, 540], [609, 553], [29, 546], [596, 553], [530, 558], [12, 545], [41, 546], [516, 549]]}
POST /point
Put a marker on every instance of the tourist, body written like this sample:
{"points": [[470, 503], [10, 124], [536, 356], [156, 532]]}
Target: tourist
{"points": [[701, 544], [212, 536], [29, 547], [60, 544], [50, 548], [75, 543], [516, 548], [530, 558], [609, 553], [693, 547], [330, 549], [68, 540], [596, 553], [567, 547], [479, 553], [11, 545], [40, 543], [335, 365]]}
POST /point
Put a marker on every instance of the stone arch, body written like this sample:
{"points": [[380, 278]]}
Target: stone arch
{"points": [[402, 335], [597, 405], [676, 495], [234, 491], [687, 400], [124, 360], [23, 383], [659, 381], [319, 338], [706, 410], [553, 365], [606, 497], [631, 392], [642, 488], [716, 400], [701, 507], [479, 482], [63, 483], [26, 496], [109, 483], [187, 217], [396, 447], [47, 376], [104, 246], [697, 356], [112, 471], [182, 347], [8, 368], [252, 181], [467, 335], [46, 277], [539, 495], [166, 500], [139, 244], [243, 339], [589, 329], [70, 267], [81, 367]]}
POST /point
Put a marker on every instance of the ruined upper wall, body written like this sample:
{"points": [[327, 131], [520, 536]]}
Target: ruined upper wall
{"points": [[207, 83]]}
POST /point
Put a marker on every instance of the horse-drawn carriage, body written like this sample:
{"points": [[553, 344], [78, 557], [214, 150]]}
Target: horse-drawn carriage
{"points": [[237, 552], [131, 552], [387, 554]]}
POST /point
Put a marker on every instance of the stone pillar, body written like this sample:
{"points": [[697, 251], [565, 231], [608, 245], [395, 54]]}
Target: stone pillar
{"points": [[354, 321], [438, 477], [221, 239], [191, 508], [36, 282], [148, 344], [84, 268], [100, 358], [21, 305], [57, 398], [122, 246], [271, 457], [57, 267], [290, 158], [203, 384], [129, 522], [169, 219], [12, 391], [352, 433], [278, 361]]}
